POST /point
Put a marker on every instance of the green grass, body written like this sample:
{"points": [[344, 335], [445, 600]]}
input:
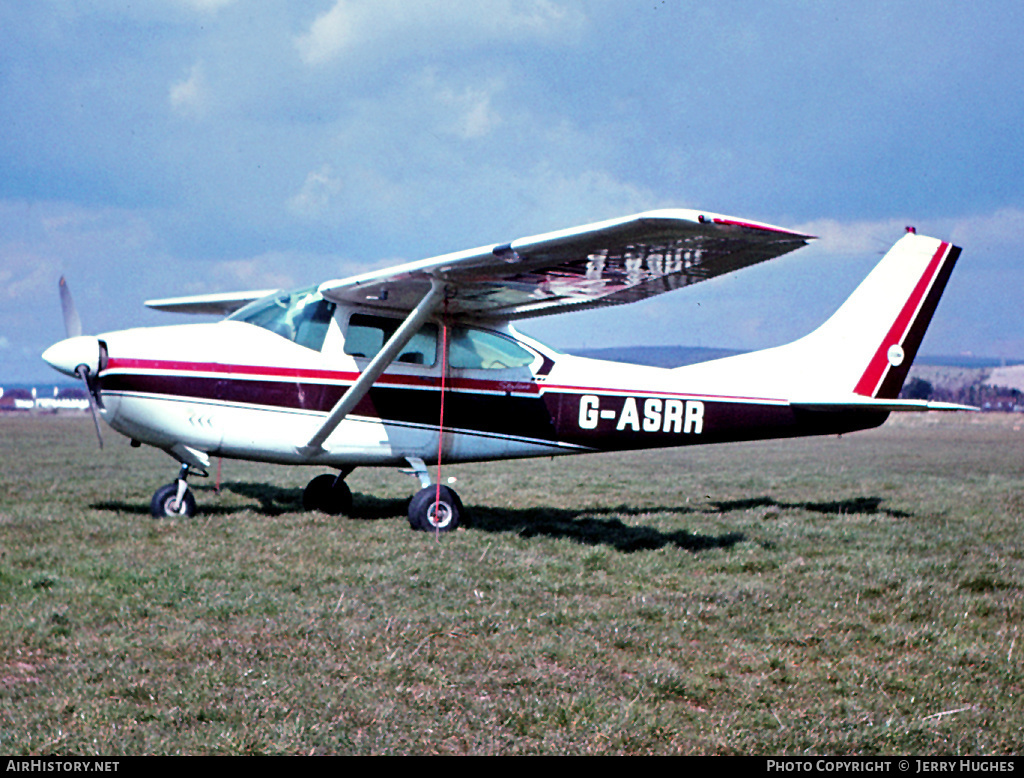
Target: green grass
{"points": [[860, 595]]}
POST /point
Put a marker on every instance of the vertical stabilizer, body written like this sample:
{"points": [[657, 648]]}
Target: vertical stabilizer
{"points": [[871, 341], [884, 375], [866, 348]]}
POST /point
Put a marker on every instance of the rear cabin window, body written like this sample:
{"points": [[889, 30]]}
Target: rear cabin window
{"points": [[482, 350], [367, 335], [302, 317]]}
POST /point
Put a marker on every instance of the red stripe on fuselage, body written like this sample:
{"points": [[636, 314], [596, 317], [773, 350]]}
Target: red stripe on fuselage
{"points": [[262, 372], [872, 378], [417, 381]]}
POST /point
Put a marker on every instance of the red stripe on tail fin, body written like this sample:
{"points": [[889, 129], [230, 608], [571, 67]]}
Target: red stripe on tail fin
{"points": [[888, 368]]}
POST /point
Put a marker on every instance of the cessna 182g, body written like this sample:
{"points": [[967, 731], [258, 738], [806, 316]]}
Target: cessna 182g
{"points": [[420, 363]]}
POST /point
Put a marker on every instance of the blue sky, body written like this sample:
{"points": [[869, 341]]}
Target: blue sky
{"points": [[157, 148]]}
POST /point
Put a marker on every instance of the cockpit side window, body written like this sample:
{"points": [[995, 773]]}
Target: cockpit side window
{"points": [[366, 335], [302, 317], [468, 348], [483, 350]]}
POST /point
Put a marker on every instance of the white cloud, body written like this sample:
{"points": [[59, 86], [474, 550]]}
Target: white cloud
{"points": [[272, 270], [96, 248], [1000, 231], [1004, 227], [25, 274], [314, 200], [208, 6], [540, 17], [836, 238], [263, 272], [329, 34], [189, 97], [41, 241], [466, 112], [477, 118], [557, 199], [398, 26]]}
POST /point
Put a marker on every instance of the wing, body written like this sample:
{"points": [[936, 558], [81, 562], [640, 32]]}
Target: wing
{"points": [[220, 304], [608, 263]]}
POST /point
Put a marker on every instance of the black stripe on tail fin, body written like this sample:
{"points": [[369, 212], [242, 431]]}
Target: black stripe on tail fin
{"points": [[891, 362]]}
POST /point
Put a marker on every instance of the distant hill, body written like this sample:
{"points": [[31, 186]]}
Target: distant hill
{"points": [[966, 360], [1010, 376]]}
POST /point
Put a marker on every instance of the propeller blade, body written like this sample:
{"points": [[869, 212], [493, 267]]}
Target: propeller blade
{"points": [[73, 328], [72, 323], [83, 373]]}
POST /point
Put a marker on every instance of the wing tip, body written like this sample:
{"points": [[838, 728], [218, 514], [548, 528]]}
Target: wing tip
{"points": [[721, 220], [751, 225]]}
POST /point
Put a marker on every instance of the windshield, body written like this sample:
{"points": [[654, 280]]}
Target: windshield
{"points": [[302, 317]]}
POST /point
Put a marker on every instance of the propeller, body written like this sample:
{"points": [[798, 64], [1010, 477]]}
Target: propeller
{"points": [[72, 322], [73, 328]]}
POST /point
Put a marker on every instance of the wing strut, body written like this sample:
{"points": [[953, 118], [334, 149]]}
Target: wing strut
{"points": [[377, 366]]}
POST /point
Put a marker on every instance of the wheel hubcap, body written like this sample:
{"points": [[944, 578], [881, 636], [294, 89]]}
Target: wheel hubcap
{"points": [[439, 515]]}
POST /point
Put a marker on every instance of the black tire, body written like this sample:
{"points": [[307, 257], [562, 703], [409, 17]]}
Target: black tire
{"points": [[422, 510], [163, 506], [328, 494]]}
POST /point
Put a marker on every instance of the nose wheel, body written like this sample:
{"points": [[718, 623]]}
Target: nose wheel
{"points": [[175, 500]]}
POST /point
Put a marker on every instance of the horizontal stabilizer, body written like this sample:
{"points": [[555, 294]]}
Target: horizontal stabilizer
{"points": [[871, 405]]}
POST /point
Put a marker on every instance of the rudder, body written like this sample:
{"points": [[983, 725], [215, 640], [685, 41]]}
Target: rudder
{"points": [[884, 376]]}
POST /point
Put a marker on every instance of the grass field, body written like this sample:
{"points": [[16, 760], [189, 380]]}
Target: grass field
{"points": [[854, 595]]}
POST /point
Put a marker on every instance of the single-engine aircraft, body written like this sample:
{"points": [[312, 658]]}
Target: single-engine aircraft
{"points": [[420, 363]]}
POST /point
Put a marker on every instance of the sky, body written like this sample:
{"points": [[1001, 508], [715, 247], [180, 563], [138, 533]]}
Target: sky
{"points": [[158, 148]]}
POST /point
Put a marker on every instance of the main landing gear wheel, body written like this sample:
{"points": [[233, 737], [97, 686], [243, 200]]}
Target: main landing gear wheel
{"points": [[166, 505], [328, 494], [430, 515]]}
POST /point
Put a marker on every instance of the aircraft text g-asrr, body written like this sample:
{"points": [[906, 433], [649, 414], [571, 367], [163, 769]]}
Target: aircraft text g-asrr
{"points": [[651, 414]]}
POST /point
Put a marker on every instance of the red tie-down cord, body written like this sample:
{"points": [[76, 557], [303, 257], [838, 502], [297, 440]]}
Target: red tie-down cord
{"points": [[440, 425]]}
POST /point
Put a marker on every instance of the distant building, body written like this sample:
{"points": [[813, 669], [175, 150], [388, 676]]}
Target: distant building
{"points": [[58, 399], [16, 400]]}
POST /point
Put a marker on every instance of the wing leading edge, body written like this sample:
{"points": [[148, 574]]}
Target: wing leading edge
{"points": [[607, 263]]}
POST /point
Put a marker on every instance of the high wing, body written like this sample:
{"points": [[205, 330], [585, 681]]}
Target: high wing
{"points": [[607, 263], [219, 304]]}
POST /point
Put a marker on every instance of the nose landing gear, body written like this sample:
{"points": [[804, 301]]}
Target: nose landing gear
{"points": [[174, 500]]}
